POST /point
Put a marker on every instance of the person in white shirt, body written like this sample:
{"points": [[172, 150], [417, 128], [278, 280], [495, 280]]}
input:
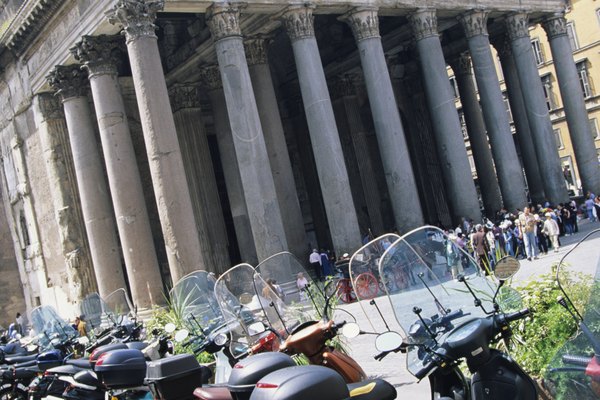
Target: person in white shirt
{"points": [[551, 229], [315, 262]]}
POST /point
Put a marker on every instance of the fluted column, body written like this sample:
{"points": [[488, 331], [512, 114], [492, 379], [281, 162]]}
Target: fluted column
{"points": [[482, 155], [174, 205], [72, 84], [327, 149], [55, 147], [388, 126], [577, 116], [250, 148], [444, 118], [279, 158], [96, 53], [517, 26], [344, 90], [185, 100], [211, 78], [510, 176], [521, 121]]}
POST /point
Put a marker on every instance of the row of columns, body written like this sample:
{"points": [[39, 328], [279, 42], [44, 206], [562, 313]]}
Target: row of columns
{"points": [[250, 137]]}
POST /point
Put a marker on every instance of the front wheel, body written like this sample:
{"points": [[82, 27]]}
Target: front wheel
{"points": [[11, 393]]}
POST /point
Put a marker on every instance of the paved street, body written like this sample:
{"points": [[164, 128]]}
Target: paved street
{"points": [[393, 368]]}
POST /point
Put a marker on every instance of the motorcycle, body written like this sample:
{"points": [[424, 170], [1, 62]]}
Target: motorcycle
{"points": [[448, 312], [574, 372]]}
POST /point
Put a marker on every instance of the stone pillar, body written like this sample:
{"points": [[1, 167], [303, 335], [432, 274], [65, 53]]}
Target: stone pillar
{"points": [[510, 176], [173, 201], [250, 148], [397, 165], [327, 149], [521, 121], [482, 155], [96, 53], [460, 187], [185, 100], [349, 108], [279, 158], [539, 119], [55, 147], [574, 104], [72, 84], [211, 78]]}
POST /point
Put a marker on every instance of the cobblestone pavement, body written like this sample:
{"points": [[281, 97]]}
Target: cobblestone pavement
{"points": [[393, 367]]}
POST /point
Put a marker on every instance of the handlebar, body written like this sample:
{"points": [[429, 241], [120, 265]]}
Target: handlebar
{"points": [[423, 372], [517, 315], [576, 360]]}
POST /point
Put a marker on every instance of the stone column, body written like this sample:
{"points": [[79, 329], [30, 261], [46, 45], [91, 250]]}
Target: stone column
{"points": [[553, 180], [510, 176], [72, 84], [185, 100], [574, 104], [279, 158], [521, 121], [250, 148], [344, 89], [55, 147], [460, 187], [164, 156], [482, 155], [397, 165], [327, 149], [211, 78], [96, 53]]}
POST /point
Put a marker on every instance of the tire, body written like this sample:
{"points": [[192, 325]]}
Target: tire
{"points": [[366, 286], [13, 394]]}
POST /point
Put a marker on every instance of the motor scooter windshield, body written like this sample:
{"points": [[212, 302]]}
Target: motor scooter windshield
{"points": [[49, 327], [95, 311], [417, 273], [574, 371], [245, 305], [295, 297], [193, 301], [118, 306]]}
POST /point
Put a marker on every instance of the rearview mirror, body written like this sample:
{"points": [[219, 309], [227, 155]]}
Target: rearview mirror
{"points": [[506, 268], [351, 330], [388, 341], [170, 327], [181, 335]]}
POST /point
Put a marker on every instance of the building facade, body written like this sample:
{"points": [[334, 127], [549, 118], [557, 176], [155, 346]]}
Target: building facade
{"points": [[145, 139]]}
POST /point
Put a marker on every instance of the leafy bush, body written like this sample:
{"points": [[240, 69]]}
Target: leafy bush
{"points": [[541, 335]]}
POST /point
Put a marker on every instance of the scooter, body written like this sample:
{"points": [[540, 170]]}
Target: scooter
{"points": [[575, 370], [446, 320]]}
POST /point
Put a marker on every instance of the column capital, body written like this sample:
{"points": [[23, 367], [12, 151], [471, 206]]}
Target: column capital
{"points": [[136, 17], [210, 76], [99, 54], [517, 26], [474, 23], [424, 23], [256, 50], [223, 21], [68, 81], [461, 64], [555, 26], [363, 21], [184, 95], [50, 107], [299, 22], [343, 86]]}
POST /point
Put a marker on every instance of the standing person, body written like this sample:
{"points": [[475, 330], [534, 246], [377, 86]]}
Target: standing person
{"points": [[301, 284], [315, 262], [589, 209], [479, 246], [597, 207], [16, 328], [551, 229], [81, 325], [325, 263], [527, 222], [566, 218]]}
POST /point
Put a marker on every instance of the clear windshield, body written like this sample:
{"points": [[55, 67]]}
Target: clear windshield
{"points": [[243, 303], [417, 274], [368, 284], [48, 326], [93, 307], [297, 299], [195, 304], [118, 307], [574, 369]]}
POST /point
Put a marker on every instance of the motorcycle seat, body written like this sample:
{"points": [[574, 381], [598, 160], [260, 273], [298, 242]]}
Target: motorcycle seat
{"points": [[80, 363], [372, 389], [25, 364], [26, 373], [213, 393], [19, 359]]}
